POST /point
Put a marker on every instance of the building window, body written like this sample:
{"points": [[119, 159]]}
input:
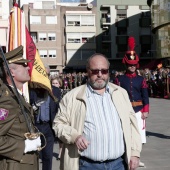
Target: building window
{"points": [[145, 22], [122, 31], [87, 37], [145, 39], [51, 36], [73, 20], [121, 40], [87, 20], [42, 36], [43, 53], [121, 14], [52, 53], [80, 37], [35, 20], [34, 36], [51, 19], [73, 38], [73, 55], [80, 20]]}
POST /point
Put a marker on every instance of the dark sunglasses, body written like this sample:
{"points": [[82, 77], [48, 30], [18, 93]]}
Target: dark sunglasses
{"points": [[96, 71]]}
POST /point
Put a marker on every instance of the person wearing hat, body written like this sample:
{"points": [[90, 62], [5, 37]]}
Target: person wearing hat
{"points": [[16, 151], [136, 87]]}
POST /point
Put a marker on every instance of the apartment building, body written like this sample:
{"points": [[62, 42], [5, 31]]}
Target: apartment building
{"points": [[117, 20], [79, 35], [64, 35]]}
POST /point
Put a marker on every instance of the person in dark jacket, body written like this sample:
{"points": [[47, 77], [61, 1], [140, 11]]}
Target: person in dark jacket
{"points": [[46, 108]]}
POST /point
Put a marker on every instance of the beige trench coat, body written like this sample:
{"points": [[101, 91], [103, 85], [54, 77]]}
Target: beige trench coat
{"points": [[69, 123]]}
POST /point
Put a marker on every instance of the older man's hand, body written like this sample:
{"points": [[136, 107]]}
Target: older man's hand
{"points": [[134, 162], [81, 143]]}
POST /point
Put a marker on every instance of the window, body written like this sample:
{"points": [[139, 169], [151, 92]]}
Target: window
{"points": [[87, 20], [121, 14], [145, 39], [73, 38], [51, 19], [122, 31], [73, 20], [51, 36], [73, 54], [42, 36], [43, 53], [145, 22], [34, 36], [121, 40], [80, 37], [35, 20], [52, 53], [80, 20], [87, 37]]}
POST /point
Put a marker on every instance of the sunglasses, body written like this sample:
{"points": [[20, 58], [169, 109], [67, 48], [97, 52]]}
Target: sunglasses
{"points": [[96, 71]]}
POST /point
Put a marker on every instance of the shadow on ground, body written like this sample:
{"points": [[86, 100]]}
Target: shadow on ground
{"points": [[159, 135]]}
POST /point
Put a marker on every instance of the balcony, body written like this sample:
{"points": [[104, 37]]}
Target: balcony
{"points": [[105, 21]]}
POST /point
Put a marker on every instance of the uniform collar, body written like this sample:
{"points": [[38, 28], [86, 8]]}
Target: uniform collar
{"points": [[131, 75]]}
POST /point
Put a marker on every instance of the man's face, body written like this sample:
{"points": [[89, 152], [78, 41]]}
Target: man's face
{"points": [[20, 72], [98, 79], [131, 68]]}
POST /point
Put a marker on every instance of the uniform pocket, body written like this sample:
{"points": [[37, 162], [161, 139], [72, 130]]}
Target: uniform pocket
{"points": [[21, 118]]}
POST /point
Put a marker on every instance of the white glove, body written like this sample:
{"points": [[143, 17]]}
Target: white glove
{"points": [[32, 145]]}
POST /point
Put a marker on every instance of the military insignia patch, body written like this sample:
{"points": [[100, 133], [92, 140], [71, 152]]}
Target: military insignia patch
{"points": [[3, 114]]}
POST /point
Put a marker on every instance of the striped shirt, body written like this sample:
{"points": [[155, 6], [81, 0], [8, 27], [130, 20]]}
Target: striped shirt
{"points": [[102, 127]]}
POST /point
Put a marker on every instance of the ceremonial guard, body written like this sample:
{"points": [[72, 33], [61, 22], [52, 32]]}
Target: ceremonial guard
{"points": [[18, 140], [136, 87]]}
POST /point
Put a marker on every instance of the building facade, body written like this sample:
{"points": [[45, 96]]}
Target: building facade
{"points": [[64, 35], [160, 10], [117, 20]]}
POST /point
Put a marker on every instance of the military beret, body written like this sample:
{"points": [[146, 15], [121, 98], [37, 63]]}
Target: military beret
{"points": [[16, 56]]}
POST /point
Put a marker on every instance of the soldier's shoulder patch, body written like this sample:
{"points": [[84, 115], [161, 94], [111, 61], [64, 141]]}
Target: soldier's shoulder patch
{"points": [[3, 113]]}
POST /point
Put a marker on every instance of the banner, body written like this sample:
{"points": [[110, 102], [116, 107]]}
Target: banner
{"points": [[18, 35]]}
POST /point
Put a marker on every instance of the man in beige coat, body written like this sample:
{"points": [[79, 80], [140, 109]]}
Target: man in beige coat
{"points": [[97, 114]]}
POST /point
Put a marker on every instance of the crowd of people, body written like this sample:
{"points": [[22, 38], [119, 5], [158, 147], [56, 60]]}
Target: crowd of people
{"points": [[158, 80]]}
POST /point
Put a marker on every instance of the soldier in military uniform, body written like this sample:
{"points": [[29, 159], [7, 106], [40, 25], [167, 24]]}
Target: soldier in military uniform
{"points": [[16, 151], [137, 89]]}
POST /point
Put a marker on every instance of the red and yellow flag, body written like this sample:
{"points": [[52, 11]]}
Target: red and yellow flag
{"points": [[18, 35]]}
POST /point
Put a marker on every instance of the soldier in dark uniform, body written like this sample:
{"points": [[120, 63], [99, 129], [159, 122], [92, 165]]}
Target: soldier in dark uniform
{"points": [[16, 151], [137, 89]]}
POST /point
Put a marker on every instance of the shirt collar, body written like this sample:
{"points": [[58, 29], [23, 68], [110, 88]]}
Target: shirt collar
{"points": [[90, 90]]}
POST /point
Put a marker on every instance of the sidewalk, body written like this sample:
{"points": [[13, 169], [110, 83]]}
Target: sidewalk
{"points": [[156, 152]]}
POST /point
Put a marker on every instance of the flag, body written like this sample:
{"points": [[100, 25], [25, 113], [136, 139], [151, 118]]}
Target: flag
{"points": [[18, 34]]}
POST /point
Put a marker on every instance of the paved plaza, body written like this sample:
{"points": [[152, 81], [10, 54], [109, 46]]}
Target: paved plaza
{"points": [[156, 152]]}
